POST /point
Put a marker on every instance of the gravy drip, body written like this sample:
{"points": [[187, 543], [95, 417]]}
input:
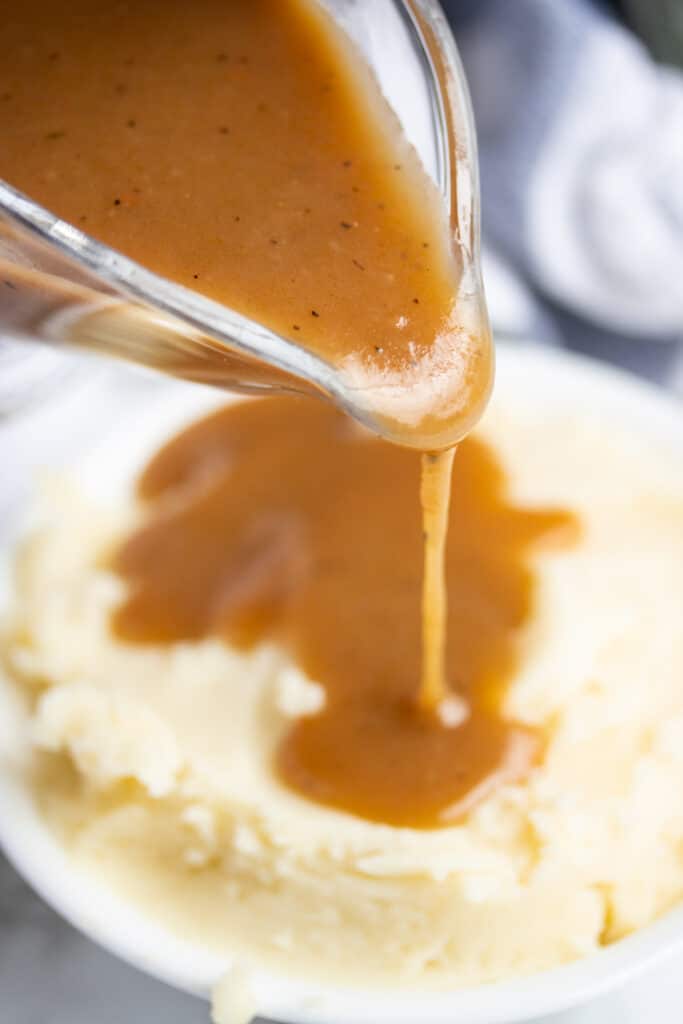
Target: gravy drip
{"points": [[435, 496]]}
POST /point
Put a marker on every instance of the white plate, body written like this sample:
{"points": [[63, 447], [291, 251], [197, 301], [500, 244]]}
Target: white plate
{"points": [[123, 427]]}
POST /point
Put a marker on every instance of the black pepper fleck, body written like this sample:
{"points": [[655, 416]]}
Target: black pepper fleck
{"points": [[416, 301], [196, 277], [314, 313], [236, 219], [55, 135], [223, 130], [131, 123], [357, 263], [8, 284], [117, 202], [345, 224], [378, 348], [296, 327], [346, 163]]}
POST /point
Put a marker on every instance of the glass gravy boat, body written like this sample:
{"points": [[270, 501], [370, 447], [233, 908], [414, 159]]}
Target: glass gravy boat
{"points": [[61, 287]]}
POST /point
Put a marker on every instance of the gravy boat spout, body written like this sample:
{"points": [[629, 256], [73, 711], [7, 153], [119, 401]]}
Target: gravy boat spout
{"points": [[64, 288]]}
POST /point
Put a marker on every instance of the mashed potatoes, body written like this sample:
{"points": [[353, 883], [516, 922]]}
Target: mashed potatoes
{"points": [[154, 763]]}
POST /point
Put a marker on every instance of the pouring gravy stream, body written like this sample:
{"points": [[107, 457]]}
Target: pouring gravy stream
{"points": [[243, 150]]}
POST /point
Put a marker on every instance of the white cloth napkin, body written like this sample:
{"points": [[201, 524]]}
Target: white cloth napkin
{"points": [[581, 149]]}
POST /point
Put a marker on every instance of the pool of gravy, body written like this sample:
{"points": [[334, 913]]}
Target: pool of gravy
{"points": [[282, 520]]}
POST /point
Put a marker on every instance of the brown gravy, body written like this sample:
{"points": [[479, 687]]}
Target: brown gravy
{"points": [[282, 520], [240, 148]]}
